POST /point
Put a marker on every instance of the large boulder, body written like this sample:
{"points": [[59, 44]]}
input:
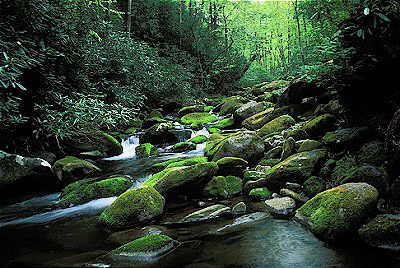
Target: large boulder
{"points": [[229, 105], [133, 207], [198, 118], [258, 120], [182, 179], [92, 141], [348, 138], [383, 231], [298, 167], [336, 213], [372, 153], [70, 169], [246, 110], [223, 187], [246, 145], [277, 125], [297, 91], [21, 173], [282, 206], [83, 191], [191, 109], [231, 166], [159, 134], [319, 125]]}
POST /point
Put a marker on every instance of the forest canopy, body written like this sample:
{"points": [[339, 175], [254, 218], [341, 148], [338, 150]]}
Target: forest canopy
{"points": [[68, 66]]}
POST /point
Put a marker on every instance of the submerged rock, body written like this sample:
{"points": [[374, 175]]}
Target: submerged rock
{"points": [[70, 169], [383, 232], [146, 247], [337, 212], [132, 207]]}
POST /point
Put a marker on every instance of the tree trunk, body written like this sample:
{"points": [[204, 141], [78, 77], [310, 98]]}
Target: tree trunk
{"points": [[299, 33]]}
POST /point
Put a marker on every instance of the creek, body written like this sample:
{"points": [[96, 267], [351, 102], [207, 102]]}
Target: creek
{"points": [[34, 234]]}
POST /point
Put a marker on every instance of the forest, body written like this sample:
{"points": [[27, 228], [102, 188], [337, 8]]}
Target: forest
{"points": [[200, 133]]}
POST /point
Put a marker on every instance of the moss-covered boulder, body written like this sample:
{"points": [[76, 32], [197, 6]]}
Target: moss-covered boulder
{"points": [[313, 186], [375, 176], [159, 134], [383, 231], [70, 169], [145, 247], [227, 123], [288, 149], [151, 121], [308, 145], [229, 105], [300, 198], [183, 147], [207, 213], [258, 120], [91, 141], [133, 207], [297, 134], [199, 139], [223, 187], [231, 166], [372, 153], [298, 167], [191, 109], [214, 130], [183, 179], [160, 166], [21, 173], [91, 155], [83, 191], [348, 138], [246, 110], [261, 193], [146, 150], [277, 125], [213, 143], [246, 145], [341, 168], [326, 169], [336, 213], [188, 162], [200, 118], [319, 125]]}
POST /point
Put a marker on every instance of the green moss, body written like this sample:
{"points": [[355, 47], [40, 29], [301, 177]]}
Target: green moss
{"points": [[208, 108], [250, 175], [277, 125], [183, 146], [188, 162], [313, 186], [319, 125], [191, 109], [214, 130], [146, 150], [200, 118], [223, 186], [199, 139], [225, 123], [162, 165], [152, 242], [71, 168], [260, 193], [132, 207], [269, 162], [130, 130], [213, 144], [384, 230], [309, 145], [230, 105], [196, 126], [338, 210], [81, 192]]}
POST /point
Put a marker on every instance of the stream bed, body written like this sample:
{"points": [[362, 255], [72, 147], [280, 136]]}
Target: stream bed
{"points": [[32, 234]]}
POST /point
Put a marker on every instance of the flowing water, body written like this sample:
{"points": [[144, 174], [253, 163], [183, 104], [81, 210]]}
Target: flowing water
{"points": [[33, 234]]}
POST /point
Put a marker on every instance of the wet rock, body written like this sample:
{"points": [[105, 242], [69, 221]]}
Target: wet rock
{"points": [[159, 134], [239, 208], [207, 213], [258, 194], [278, 124], [308, 145], [246, 145], [372, 153], [295, 187], [93, 155], [274, 153], [231, 166], [188, 162], [191, 109], [146, 150], [227, 123], [70, 169], [313, 186], [297, 91], [183, 147], [383, 232], [288, 149], [160, 166], [176, 180], [299, 198], [199, 139], [151, 121], [258, 120], [17, 172], [246, 110], [145, 247], [319, 125], [297, 134], [335, 213], [132, 207], [199, 118], [341, 168], [348, 138], [298, 167], [83, 191], [223, 187], [282, 206], [229, 105]]}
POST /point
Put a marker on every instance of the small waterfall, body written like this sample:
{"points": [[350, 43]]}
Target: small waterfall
{"points": [[129, 145], [200, 132]]}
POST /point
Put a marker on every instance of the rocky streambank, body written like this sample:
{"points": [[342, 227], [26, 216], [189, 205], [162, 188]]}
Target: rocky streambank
{"points": [[279, 149]]}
